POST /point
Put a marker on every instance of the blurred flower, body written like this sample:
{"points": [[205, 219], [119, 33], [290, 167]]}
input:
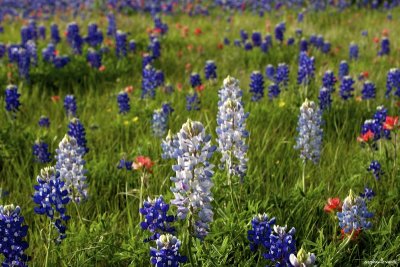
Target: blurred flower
{"points": [[70, 105], [256, 85], [123, 102], [40, 151], [12, 98], [143, 163], [391, 123]]}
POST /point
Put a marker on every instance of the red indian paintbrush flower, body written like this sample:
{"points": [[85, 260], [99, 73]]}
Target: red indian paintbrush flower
{"points": [[368, 136], [143, 163], [333, 205], [391, 123]]}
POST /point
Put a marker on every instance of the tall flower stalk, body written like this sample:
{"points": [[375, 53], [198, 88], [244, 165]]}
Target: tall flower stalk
{"points": [[192, 182], [231, 129], [310, 135]]}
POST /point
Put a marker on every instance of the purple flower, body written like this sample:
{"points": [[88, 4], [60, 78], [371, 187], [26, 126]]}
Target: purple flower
{"points": [[346, 88], [12, 98], [40, 151], [256, 86]]}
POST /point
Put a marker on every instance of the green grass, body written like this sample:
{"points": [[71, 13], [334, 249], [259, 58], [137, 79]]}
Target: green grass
{"points": [[105, 236]]}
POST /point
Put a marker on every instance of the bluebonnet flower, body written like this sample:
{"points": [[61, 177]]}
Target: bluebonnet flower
{"points": [[385, 47], [25, 35], [158, 24], [343, 69], [112, 26], [70, 105], [71, 168], [299, 32], [192, 189], [303, 45], [306, 69], [195, 80], [329, 80], [310, 132], [379, 118], [226, 41], [393, 81], [326, 48], [261, 229], [264, 47], [376, 169], [303, 259], [32, 30], [270, 72], [210, 70], [256, 38], [237, 42], [231, 129], [346, 88], [74, 38], [94, 58], [13, 53], [353, 51], [155, 47], [156, 218], [44, 122], [76, 130], [273, 91], [159, 77], [123, 102], [42, 32], [243, 35], [120, 44], [32, 52], [55, 33], [280, 31], [149, 82], [146, 60], [94, 36], [354, 215], [3, 49], [132, 45], [12, 98], [282, 74], [313, 40], [24, 62], [368, 91], [368, 194], [319, 42], [125, 164], [282, 245], [40, 151], [290, 41], [52, 198], [167, 252], [248, 46], [325, 100], [300, 17], [160, 120], [60, 61], [256, 86], [49, 52], [12, 235], [364, 33], [192, 101]]}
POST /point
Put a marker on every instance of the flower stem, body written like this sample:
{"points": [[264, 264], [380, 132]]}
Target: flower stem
{"points": [[190, 241], [304, 177], [48, 245]]}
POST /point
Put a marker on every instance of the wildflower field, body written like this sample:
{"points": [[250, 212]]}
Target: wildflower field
{"points": [[199, 133]]}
